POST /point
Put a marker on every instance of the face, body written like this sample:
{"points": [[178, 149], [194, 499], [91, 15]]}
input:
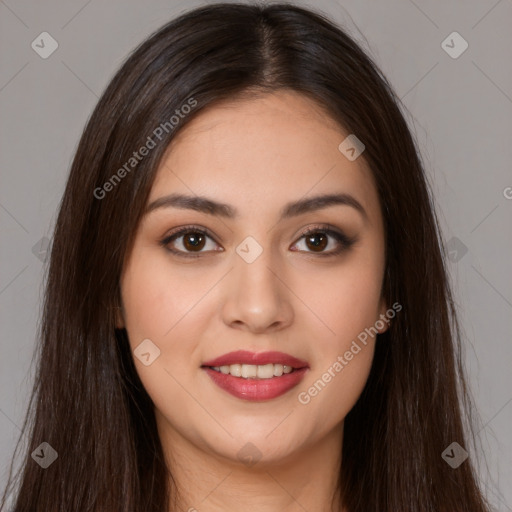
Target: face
{"points": [[297, 285]]}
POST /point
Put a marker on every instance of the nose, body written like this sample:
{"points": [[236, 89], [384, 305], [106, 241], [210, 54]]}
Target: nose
{"points": [[257, 296]]}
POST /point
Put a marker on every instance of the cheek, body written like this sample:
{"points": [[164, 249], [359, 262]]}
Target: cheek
{"points": [[330, 393], [147, 310], [346, 301], [156, 296], [165, 304], [343, 299], [343, 354], [156, 304]]}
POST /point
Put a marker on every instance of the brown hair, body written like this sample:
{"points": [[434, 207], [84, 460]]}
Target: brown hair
{"points": [[88, 402]]}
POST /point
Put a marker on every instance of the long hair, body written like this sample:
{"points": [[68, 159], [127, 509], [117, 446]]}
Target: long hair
{"points": [[88, 403]]}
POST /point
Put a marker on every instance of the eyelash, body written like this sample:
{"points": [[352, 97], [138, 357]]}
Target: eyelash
{"points": [[344, 241]]}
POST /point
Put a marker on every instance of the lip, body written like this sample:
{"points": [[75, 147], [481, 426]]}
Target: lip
{"points": [[261, 358], [256, 390]]}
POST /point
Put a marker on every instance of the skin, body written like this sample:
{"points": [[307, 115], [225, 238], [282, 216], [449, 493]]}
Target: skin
{"points": [[257, 155]]}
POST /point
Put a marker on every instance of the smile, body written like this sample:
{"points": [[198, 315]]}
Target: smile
{"points": [[256, 376]]}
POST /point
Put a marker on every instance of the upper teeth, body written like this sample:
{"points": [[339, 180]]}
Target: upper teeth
{"points": [[261, 371]]}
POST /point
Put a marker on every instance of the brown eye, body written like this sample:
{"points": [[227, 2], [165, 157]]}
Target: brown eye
{"points": [[189, 242], [194, 241], [317, 241]]}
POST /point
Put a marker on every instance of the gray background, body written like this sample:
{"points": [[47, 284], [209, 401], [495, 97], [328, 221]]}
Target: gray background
{"points": [[460, 110]]}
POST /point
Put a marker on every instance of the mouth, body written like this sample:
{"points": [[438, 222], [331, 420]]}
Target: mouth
{"points": [[256, 377], [251, 365]]}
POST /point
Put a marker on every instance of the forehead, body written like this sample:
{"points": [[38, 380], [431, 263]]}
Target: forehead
{"points": [[263, 151]]}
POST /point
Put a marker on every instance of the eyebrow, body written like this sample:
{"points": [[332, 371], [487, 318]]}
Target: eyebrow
{"points": [[209, 206]]}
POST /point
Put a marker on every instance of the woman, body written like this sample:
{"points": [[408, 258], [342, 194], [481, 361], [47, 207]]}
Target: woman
{"points": [[247, 302]]}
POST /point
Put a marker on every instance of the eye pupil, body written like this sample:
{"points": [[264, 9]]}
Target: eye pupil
{"points": [[318, 244], [193, 241]]}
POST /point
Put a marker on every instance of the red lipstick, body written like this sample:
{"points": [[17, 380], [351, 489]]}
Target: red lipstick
{"points": [[256, 389]]}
